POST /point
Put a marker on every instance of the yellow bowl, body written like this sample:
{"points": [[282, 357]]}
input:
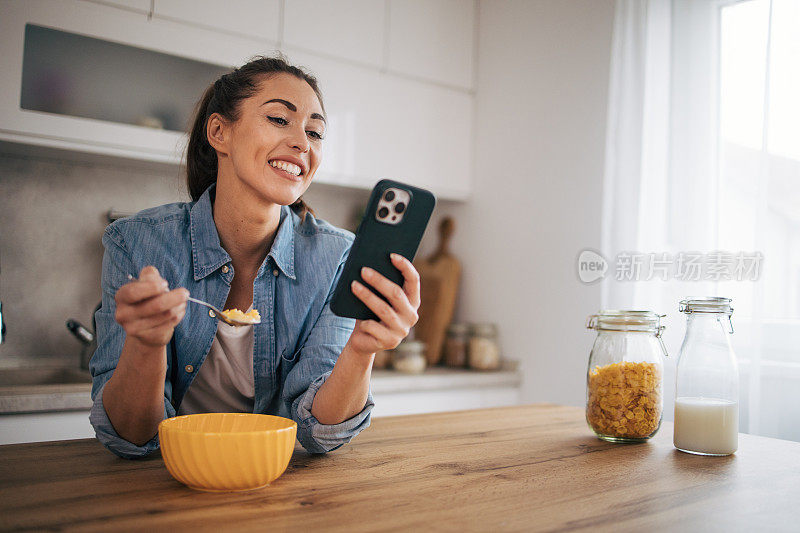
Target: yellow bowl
{"points": [[224, 452]]}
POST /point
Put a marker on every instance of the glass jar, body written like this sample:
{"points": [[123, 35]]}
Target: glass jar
{"points": [[707, 384], [624, 382], [455, 345], [409, 357], [484, 351]]}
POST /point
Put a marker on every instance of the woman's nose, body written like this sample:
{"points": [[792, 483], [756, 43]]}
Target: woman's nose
{"points": [[299, 141]]}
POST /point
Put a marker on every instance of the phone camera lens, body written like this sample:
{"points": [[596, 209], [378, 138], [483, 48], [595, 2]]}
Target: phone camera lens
{"points": [[400, 207], [383, 212], [389, 196]]}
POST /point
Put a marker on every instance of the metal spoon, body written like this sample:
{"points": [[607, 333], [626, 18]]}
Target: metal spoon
{"points": [[217, 313]]}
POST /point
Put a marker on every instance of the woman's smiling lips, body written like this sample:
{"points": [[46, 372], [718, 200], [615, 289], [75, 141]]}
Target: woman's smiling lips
{"points": [[288, 167], [288, 175]]}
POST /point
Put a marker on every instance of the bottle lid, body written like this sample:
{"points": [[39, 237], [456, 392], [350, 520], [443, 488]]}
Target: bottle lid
{"points": [[626, 320], [706, 304]]}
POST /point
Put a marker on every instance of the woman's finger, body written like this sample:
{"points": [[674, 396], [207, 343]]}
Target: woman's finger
{"points": [[392, 291], [144, 325], [140, 290], [384, 311], [381, 335], [411, 276], [152, 306]]}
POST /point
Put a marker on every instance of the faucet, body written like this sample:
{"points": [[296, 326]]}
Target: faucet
{"points": [[86, 337], [2, 324]]}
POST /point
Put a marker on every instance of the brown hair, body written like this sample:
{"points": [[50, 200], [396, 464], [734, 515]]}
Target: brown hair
{"points": [[223, 97]]}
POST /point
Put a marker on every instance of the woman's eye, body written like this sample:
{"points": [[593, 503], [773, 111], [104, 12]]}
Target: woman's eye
{"points": [[315, 134], [278, 120]]}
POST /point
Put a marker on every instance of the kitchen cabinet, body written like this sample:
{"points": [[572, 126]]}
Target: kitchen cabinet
{"points": [[259, 19], [384, 126], [348, 29], [45, 426], [102, 74], [136, 61], [433, 39]]}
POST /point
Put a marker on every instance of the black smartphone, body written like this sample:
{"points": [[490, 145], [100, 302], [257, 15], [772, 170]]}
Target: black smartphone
{"points": [[396, 217]]}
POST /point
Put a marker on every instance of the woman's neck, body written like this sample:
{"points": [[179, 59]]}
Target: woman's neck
{"points": [[246, 227]]}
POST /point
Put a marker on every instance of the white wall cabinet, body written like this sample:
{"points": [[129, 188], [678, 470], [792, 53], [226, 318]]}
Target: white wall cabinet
{"points": [[349, 29], [259, 19], [433, 39], [382, 125], [107, 24]]}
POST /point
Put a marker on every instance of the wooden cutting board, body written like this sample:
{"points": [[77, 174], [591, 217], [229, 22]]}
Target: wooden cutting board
{"points": [[439, 276]]}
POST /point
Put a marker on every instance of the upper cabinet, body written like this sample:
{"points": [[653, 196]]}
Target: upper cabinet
{"points": [[384, 126], [433, 39], [349, 29], [90, 77], [259, 19]]}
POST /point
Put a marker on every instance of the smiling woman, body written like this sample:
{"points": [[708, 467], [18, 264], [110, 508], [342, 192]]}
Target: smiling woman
{"points": [[246, 241], [222, 99]]}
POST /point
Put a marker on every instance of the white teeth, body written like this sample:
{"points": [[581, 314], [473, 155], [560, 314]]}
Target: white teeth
{"points": [[291, 168]]}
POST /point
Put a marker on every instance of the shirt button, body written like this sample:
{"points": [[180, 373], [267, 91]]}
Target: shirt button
{"points": [[211, 313], [275, 272], [189, 369], [225, 269]]}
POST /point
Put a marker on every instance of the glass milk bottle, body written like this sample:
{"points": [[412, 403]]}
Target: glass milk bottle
{"points": [[707, 387]]}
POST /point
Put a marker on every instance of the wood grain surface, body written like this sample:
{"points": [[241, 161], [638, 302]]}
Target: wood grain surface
{"points": [[439, 276], [529, 468]]}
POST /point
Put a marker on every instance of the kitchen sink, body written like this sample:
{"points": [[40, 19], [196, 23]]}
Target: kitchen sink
{"points": [[14, 377]]}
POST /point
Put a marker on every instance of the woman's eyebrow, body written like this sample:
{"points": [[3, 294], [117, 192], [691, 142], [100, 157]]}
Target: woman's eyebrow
{"points": [[282, 101], [293, 107]]}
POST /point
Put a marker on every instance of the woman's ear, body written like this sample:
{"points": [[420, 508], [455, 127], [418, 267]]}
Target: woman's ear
{"points": [[217, 133]]}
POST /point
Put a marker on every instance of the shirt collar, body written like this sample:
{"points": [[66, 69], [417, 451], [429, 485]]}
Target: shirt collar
{"points": [[282, 251], [207, 253]]}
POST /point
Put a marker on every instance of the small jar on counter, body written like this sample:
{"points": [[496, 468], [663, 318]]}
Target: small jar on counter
{"points": [[409, 357], [455, 345], [484, 351], [624, 382]]}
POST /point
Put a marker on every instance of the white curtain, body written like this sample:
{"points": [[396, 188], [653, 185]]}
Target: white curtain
{"points": [[703, 156]]}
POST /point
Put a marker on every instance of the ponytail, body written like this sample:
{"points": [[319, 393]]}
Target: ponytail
{"points": [[201, 158]]}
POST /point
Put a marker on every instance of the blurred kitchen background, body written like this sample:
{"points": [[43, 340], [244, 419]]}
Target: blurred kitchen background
{"points": [[544, 127]]}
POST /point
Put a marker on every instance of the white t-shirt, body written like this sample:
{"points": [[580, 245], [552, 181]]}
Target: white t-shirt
{"points": [[224, 383]]}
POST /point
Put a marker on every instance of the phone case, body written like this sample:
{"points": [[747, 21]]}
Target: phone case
{"points": [[375, 240]]}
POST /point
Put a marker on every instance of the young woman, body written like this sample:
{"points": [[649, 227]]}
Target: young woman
{"points": [[246, 241]]}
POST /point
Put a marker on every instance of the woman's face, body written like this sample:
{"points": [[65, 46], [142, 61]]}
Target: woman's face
{"points": [[275, 146]]}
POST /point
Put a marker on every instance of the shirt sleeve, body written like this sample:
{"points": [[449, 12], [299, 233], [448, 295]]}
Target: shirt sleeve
{"points": [[315, 361], [110, 339]]}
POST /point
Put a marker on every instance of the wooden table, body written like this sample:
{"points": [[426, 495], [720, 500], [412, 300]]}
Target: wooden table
{"points": [[522, 468]]}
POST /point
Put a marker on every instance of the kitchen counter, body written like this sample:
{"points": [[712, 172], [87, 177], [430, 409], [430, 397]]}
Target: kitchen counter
{"points": [[534, 467], [67, 389]]}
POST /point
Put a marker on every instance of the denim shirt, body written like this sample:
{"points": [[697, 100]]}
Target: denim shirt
{"points": [[296, 344]]}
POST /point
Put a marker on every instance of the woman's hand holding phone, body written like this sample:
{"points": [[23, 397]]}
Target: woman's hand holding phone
{"points": [[147, 310], [396, 319]]}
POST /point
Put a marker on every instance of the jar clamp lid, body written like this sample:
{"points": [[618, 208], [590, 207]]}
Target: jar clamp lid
{"points": [[628, 320], [708, 304]]}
